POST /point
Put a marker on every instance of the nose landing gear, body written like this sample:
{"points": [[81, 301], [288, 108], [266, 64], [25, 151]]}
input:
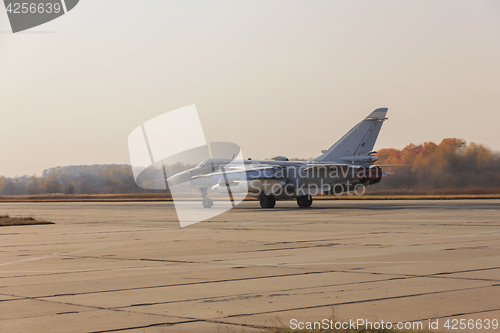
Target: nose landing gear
{"points": [[207, 202]]}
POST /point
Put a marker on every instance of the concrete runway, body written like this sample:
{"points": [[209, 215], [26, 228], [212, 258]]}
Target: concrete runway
{"points": [[107, 267]]}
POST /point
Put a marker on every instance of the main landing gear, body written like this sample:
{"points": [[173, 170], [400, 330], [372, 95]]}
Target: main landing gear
{"points": [[267, 201], [207, 202], [304, 201]]}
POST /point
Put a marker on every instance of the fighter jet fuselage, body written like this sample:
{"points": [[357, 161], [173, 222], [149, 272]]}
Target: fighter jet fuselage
{"points": [[345, 166]]}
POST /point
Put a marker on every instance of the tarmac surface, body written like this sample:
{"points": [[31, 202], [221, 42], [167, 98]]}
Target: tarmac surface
{"points": [[112, 267]]}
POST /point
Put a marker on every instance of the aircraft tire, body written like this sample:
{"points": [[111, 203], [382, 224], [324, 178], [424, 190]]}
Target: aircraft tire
{"points": [[208, 203], [304, 201], [267, 201]]}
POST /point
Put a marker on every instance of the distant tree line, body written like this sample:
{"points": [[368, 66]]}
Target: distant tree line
{"points": [[85, 179], [451, 164], [90, 179]]}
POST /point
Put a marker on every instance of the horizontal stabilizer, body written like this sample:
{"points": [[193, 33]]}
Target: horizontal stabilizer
{"points": [[329, 166], [244, 174]]}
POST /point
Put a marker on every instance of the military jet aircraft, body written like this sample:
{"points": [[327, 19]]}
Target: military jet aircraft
{"points": [[345, 166]]}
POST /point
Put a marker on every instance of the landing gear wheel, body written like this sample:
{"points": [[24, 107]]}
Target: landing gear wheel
{"points": [[304, 201], [207, 202], [267, 201]]}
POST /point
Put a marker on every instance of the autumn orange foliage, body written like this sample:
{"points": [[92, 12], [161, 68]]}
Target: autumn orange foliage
{"points": [[451, 164]]}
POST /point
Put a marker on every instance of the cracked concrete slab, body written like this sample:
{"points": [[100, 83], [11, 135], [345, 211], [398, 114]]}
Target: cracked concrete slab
{"points": [[88, 321], [468, 304], [31, 308], [130, 267]]}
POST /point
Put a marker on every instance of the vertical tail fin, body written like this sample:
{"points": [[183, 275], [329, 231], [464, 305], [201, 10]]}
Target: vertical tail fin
{"points": [[358, 141]]}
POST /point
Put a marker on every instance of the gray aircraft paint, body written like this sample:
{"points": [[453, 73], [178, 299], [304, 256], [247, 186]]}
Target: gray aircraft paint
{"points": [[333, 167], [358, 141]]}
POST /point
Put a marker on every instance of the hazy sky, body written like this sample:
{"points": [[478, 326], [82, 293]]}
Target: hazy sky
{"points": [[276, 77]]}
